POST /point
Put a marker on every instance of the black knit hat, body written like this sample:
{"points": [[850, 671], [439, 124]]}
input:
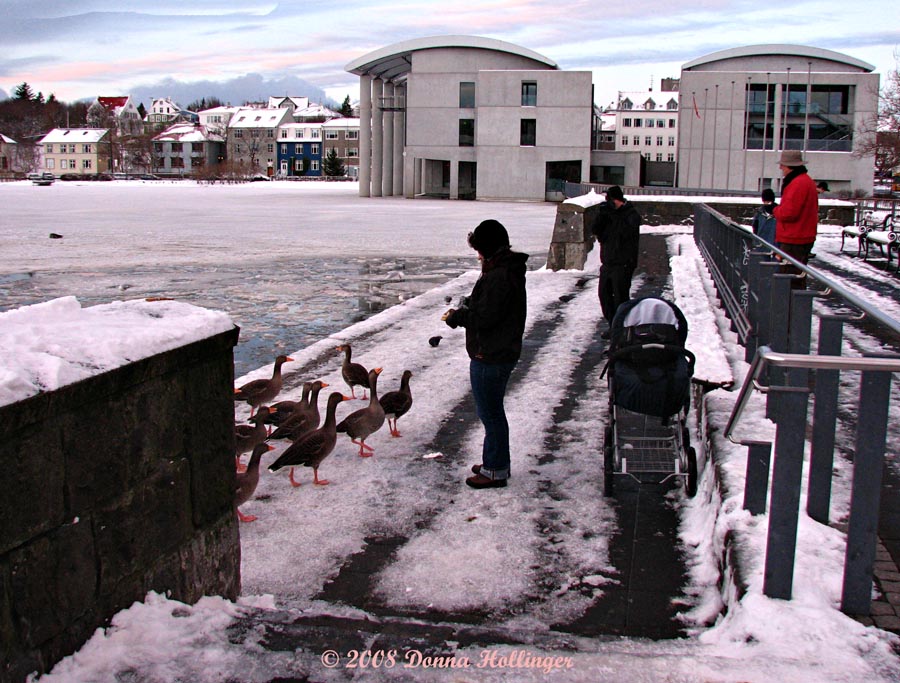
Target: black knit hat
{"points": [[489, 237], [615, 192], [768, 195]]}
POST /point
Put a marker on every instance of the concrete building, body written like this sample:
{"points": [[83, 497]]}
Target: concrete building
{"points": [[299, 149], [741, 107], [187, 149], [252, 136], [216, 119], [647, 123], [470, 117], [165, 112], [342, 135], [82, 151]]}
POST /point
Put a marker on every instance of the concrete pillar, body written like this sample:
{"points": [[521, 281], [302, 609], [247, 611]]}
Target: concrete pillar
{"points": [[365, 135], [388, 165], [454, 179], [417, 177], [399, 140], [377, 136]]}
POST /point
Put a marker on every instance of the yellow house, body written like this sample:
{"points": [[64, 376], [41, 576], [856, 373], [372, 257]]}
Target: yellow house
{"points": [[83, 151]]}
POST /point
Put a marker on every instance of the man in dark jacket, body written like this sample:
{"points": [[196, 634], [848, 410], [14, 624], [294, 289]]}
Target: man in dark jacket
{"points": [[494, 318], [618, 230]]}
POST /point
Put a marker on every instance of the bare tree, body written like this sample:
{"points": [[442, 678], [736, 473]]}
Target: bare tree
{"points": [[881, 134]]}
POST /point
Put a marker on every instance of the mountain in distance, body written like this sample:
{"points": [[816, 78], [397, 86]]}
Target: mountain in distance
{"points": [[252, 87]]}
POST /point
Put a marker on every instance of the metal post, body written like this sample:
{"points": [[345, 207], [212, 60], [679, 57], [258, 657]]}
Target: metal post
{"points": [[763, 322], [821, 458], [781, 544], [759, 455], [799, 328], [779, 319], [865, 496]]}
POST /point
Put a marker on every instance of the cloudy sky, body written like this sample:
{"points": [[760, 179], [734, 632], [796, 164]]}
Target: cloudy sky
{"points": [[82, 48]]}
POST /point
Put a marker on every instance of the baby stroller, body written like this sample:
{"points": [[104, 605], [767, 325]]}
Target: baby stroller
{"points": [[649, 373]]}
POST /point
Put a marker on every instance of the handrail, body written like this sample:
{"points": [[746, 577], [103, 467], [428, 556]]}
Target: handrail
{"points": [[765, 354]]}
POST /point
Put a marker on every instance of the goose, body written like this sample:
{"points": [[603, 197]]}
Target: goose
{"points": [[354, 374], [246, 437], [305, 416], [261, 391], [247, 481], [397, 403], [363, 423]]}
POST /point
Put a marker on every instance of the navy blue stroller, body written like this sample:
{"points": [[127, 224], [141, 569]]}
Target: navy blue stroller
{"points": [[649, 374]]}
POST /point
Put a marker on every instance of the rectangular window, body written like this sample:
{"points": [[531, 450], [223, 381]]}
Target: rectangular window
{"points": [[313, 149], [529, 94], [626, 123], [196, 146], [671, 141], [49, 149], [648, 140], [270, 148], [63, 164], [237, 150], [624, 139], [314, 165], [315, 133], [196, 161], [466, 95], [298, 164], [158, 147], [670, 157], [72, 148], [284, 133], [659, 140], [671, 123], [649, 123], [298, 133], [51, 164], [177, 147], [238, 133], [352, 135], [352, 152], [638, 122], [270, 133], [331, 135], [636, 140], [254, 132], [284, 149], [660, 123], [177, 162], [659, 157], [467, 132], [85, 149], [298, 149], [528, 133]]}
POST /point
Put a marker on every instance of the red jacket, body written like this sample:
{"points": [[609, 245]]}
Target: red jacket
{"points": [[797, 217]]}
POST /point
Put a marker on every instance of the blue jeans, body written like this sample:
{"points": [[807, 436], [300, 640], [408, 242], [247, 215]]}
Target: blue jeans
{"points": [[488, 387]]}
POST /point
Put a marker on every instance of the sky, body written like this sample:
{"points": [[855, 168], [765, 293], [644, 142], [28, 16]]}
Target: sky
{"points": [[84, 48], [304, 535]]}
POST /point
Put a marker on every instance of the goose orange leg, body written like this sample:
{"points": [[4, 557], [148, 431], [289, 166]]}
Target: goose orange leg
{"points": [[238, 465], [316, 480], [245, 518], [294, 483], [362, 445]]}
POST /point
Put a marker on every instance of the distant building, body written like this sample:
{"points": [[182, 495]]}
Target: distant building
{"points": [[342, 135], [252, 138], [647, 123], [164, 112], [9, 155], [217, 118], [300, 149], [116, 112], [741, 107], [187, 149], [84, 151]]}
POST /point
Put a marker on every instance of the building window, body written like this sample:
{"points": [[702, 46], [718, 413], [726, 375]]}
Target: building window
{"points": [[313, 149], [638, 123], [660, 123], [298, 149], [670, 157], [649, 123], [659, 157], [529, 94], [671, 141], [671, 123], [51, 164], [352, 135], [528, 133], [238, 133], [196, 162], [467, 132], [49, 149], [466, 95], [284, 149], [177, 147], [72, 148], [659, 140], [314, 165], [624, 139], [63, 164], [648, 140], [85, 149], [196, 146], [315, 133], [284, 132], [298, 165], [86, 164], [177, 162], [157, 147], [270, 148], [626, 123], [298, 133], [237, 150], [636, 140], [352, 152], [331, 135], [270, 133]]}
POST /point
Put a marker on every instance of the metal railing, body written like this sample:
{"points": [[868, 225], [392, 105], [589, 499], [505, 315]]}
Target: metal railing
{"points": [[774, 323]]}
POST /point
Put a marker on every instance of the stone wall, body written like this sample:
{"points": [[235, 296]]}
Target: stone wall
{"points": [[114, 486]]}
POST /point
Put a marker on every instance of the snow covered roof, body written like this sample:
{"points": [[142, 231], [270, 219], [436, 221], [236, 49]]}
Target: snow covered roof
{"points": [[315, 111], [74, 135], [7, 140], [649, 100], [296, 102], [224, 109], [188, 132], [249, 117], [341, 123]]}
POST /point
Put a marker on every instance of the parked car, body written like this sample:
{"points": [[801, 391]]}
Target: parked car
{"points": [[70, 176], [103, 176], [46, 175], [149, 176]]}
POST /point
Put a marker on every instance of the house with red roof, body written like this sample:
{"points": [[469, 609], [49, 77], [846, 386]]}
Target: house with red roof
{"points": [[117, 112]]}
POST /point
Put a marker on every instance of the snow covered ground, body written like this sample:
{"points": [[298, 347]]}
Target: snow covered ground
{"points": [[479, 549]]}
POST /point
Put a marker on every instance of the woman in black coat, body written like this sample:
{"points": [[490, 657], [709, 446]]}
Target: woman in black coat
{"points": [[494, 318]]}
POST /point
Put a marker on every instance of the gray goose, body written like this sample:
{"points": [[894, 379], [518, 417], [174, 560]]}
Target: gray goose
{"points": [[246, 437], [261, 391], [312, 448], [397, 403], [362, 423], [284, 409], [248, 481], [354, 374], [305, 416]]}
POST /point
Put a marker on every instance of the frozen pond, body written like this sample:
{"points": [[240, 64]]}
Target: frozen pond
{"points": [[290, 262]]}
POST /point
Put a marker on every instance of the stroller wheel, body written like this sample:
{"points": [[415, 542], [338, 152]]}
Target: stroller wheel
{"points": [[691, 484], [608, 462]]}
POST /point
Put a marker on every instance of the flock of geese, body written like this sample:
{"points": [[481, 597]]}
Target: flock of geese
{"points": [[299, 422]]}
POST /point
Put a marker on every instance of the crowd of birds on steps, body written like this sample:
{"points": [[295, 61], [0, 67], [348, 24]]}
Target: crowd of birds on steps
{"points": [[299, 422]]}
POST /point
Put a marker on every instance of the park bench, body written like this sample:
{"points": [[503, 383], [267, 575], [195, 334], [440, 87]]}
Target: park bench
{"points": [[880, 233]]}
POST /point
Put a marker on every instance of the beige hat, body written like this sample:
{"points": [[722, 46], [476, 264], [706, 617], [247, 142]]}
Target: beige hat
{"points": [[791, 157]]}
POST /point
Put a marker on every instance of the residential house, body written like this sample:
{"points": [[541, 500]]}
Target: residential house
{"points": [[164, 112], [647, 124], [466, 116], [292, 103], [252, 138], [217, 118], [117, 112], [187, 149], [342, 135], [300, 149], [743, 106], [9, 155], [83, 151]]}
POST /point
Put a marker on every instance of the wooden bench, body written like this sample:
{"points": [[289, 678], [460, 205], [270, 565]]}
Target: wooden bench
{"points": [[857, 232]]}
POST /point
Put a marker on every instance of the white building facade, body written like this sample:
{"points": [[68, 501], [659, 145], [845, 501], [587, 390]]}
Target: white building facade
{"points": [[741, 107]]}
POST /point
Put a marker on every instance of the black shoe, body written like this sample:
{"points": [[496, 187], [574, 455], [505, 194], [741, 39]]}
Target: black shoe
{"points": [[479, 481], [477, 470]]}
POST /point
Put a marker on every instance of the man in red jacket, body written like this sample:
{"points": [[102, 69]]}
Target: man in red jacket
{"points": [[797, 217]]}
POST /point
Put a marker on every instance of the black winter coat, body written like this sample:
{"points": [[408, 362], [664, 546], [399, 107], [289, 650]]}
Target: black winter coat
{"points": [[494, 316], [618, 231]]}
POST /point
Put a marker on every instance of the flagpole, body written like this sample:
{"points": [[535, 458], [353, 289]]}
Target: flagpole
{"points": [[703, 133], [806, 116], [730, 138], [762, 170], [746, 133], [715, 136]]}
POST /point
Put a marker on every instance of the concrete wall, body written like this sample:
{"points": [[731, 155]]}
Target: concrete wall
{"points": [[115, 486]]}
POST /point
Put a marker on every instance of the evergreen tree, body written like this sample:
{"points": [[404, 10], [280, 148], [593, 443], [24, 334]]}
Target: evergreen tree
{"points": [[24, 92], [346, 109], [333, 166]]}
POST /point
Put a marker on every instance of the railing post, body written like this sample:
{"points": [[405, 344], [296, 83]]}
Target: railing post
{"points": [[779, 319], [799, 327], [756, 487], [821, 458], [781, 543], [755, 285], [865, 496]]}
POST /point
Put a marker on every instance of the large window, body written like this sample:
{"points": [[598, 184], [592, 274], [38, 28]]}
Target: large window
{"points": [[331, 135], [466, 95], [529, 94], [467, 132], [528, 133], [352, 135]]}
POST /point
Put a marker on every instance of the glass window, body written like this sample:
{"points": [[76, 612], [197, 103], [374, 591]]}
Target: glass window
{"points": [[660, 123], [671, 141], [49, 149], [648, 140], [315, 133], [86, 164], [177, 147], [637, 123], [85, 149], [659, 157], [671, 123], [624, 139], [298, 149], [659, 140], [626, 123], [466, 95], [238, 133], [670, 157], [352, 152], [270, 148], [636, 140], [528, 133], [313, 149], [649, 123], [314, 165], [352, 135], [331, 135], [284, 132], [529, 94], [467, 132], [196, 146]]}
